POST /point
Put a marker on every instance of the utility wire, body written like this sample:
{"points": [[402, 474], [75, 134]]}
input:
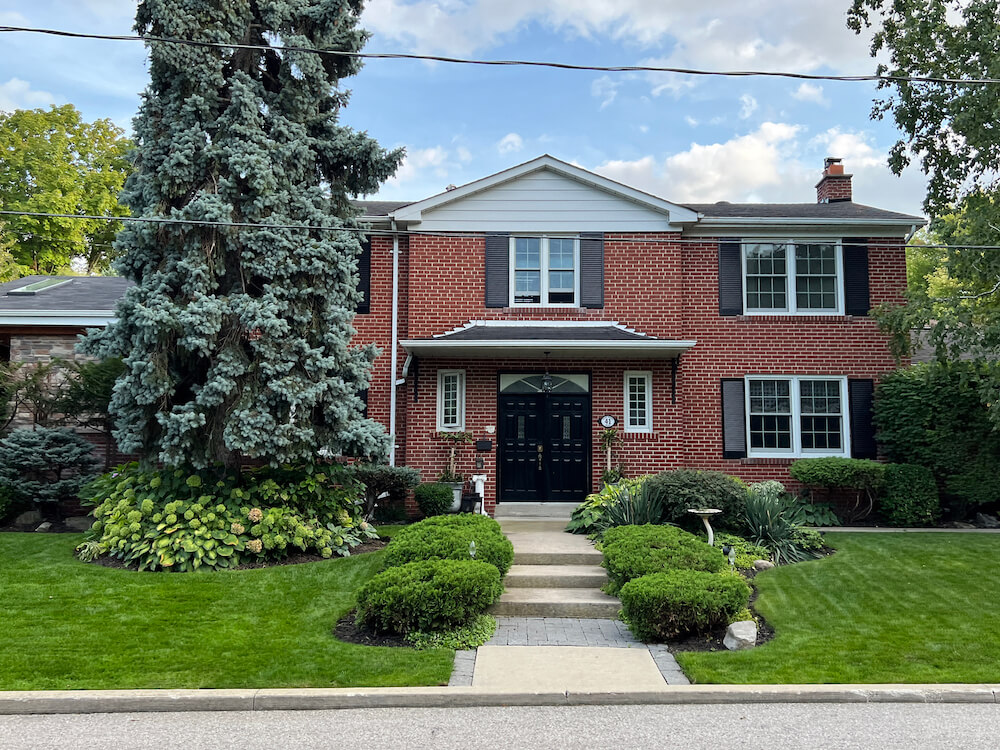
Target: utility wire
{"points": [[462, 235], [523, 63]]}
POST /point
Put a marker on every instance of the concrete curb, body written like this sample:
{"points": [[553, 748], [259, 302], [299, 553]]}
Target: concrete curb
{"points": [[142, 701]]}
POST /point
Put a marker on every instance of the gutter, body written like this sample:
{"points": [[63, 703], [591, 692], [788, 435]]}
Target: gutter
{"points": [[394, 356]]}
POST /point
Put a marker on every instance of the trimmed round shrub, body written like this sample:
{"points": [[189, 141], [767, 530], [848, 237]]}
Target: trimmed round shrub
{"points": [[666, 605], [434, 498], [634, 551], [910, 496], [682, 489], [428, 595], [438, 539], [834, 472]]}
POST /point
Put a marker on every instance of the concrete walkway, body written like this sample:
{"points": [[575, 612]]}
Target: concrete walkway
{"points": [[556, 629]]}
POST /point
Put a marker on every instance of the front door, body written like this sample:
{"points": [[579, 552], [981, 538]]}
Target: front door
{"points": [[544, 438]]}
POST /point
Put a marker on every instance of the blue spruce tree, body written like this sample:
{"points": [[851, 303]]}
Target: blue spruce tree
{"points": [[236, 341]]}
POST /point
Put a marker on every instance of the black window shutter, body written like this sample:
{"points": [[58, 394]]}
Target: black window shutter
{"points": [[734, 428], [591, 269], [856, 299], [497, 270], [365, 277], [861, 394], [730, 277]]}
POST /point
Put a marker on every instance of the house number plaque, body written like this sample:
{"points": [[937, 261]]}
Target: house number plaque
{"points": [[607, 421]]}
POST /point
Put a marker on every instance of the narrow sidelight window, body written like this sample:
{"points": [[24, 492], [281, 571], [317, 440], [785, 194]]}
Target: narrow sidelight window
{"points": [[638, 401], [451, 400]]}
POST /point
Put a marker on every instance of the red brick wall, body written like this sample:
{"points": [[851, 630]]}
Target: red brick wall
{"points": [[834, 188], [658, 284]]}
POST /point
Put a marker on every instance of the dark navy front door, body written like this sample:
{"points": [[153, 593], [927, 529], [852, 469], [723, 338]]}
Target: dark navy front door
{"points": [[544, 447]]}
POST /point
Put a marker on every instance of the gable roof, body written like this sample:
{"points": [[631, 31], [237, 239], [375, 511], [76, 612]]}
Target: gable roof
{"points": [[674, 212]]}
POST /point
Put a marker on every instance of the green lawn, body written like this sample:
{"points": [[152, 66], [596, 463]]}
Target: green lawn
{"points": [[885, 608], [66, 624]]}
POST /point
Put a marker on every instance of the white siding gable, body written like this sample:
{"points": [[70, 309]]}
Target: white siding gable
{"points": [[544, 201]]}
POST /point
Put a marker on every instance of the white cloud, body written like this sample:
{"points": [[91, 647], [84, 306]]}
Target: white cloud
{"points": [[775, 163], [723, 34], [806, 92], [510, 144], [420, 162], [18, 94], [690, 121], [748, 105], [605, 88]]}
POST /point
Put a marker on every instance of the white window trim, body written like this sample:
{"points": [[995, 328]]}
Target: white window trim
{"points": [[460, 426], [797, 450], [648, 377], [512, 275], [790, 276]]}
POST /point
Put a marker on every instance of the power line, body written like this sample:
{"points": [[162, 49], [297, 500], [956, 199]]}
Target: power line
{"points": [[460, 235], [522, 63]]}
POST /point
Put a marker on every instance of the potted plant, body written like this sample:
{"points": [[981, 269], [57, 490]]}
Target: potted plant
{"points": [[611, 474], [450, 475]]}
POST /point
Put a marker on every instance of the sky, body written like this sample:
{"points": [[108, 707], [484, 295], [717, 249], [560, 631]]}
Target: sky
{"points": [[684, 139]]}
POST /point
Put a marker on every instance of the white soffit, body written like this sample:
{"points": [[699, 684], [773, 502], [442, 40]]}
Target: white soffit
{"points": [[545, 195]]}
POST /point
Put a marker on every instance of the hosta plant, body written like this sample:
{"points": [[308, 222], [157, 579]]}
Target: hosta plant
{"points": [[178, 520]]}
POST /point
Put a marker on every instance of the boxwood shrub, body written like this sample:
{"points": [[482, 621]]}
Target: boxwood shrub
{"points": [[682, 489], [449, 538], [428, 595], [910, 497], [634, 551], [665, 605], [433, 498]]}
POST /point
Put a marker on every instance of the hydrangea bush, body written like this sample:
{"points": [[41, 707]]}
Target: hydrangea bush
{"points": [[175, 520]]}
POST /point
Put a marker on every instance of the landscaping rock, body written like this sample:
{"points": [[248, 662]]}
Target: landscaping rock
{"points": [[741, 636], [963, 525], [28, 520], [79, 523], [762, 564], [986, 521], [44, 526]]}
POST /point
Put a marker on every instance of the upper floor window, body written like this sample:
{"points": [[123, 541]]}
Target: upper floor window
{"points": [[545, 270], [793, 277]]}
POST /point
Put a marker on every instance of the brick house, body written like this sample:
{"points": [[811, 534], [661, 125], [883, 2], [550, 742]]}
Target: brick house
{"points": [[531, 306], [534, 304]]}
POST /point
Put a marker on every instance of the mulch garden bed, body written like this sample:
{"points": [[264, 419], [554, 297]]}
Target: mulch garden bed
{"points": [[347, 630]]}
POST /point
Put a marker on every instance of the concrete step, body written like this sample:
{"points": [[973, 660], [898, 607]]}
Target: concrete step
{"points": [[577, 603], [530, 525], [529, 510], [541, 557], [556, 576]]}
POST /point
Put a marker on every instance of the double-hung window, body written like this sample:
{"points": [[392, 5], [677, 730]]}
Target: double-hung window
{"points": [[545, 270], [797, 416], [793, 277], [451, 400], [638, 401]]}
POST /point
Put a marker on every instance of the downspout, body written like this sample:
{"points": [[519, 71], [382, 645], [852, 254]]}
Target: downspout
{"points": [[394, 357]]}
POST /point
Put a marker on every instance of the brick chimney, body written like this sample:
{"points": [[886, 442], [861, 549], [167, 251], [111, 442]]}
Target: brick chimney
{"points": [[835, 186]]}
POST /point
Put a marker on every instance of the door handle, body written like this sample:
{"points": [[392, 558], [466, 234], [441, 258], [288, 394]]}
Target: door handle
{"points": [[540, 451]]}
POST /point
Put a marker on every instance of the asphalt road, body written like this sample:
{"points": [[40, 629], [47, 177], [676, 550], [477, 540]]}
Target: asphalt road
{"points": [[718, 727]]}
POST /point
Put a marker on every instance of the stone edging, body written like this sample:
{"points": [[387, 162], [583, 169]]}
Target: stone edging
{"points": [[129, 701]]}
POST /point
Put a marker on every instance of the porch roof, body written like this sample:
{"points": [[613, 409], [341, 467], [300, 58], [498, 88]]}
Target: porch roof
{"points": [[537, 339]]}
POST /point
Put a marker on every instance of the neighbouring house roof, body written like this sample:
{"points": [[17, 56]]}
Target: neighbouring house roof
{"points": [[379, 209], [83, 301], [494, 339]]}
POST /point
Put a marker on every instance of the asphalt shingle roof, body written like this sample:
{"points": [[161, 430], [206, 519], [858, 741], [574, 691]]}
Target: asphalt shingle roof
{"points": [[380, 208], [544, 333], [79, 293], [819, 211]]}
